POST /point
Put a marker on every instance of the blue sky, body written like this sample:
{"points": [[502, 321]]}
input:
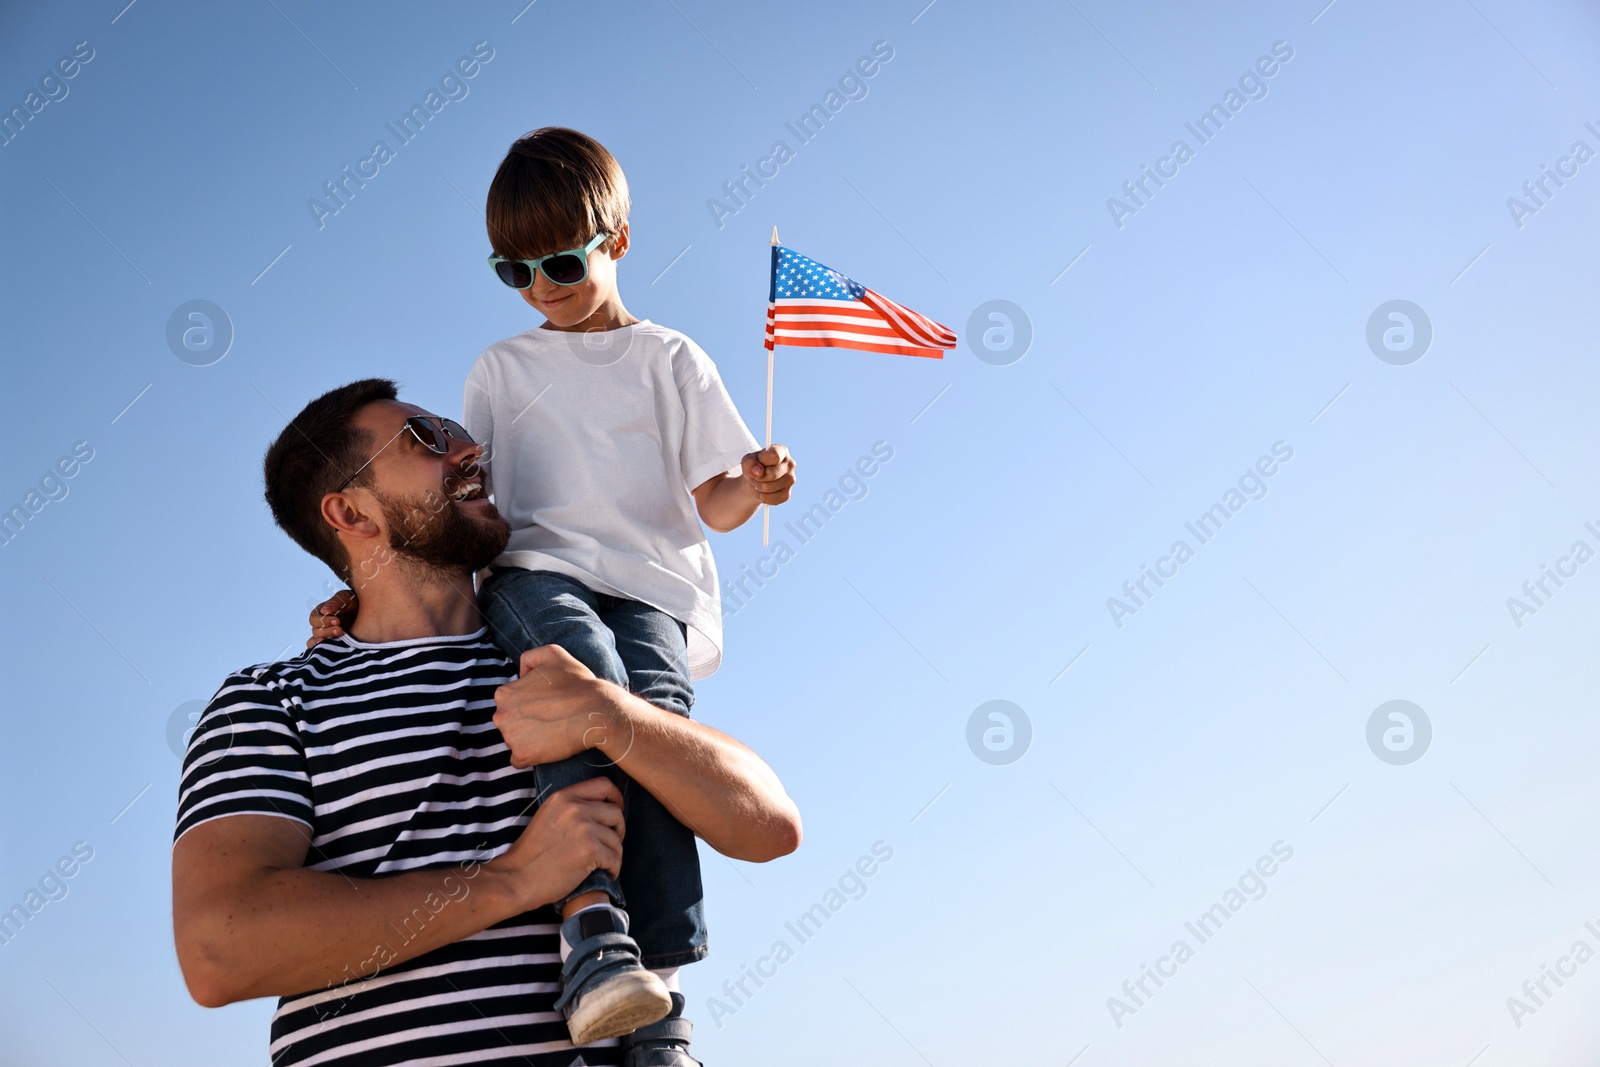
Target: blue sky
{"points": [[1175, 341]]}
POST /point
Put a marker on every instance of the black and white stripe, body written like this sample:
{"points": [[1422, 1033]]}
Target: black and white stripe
{"points": [[389, 755]]}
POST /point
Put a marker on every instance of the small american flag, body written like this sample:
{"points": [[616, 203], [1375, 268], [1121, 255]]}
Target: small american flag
{"points": [[813, 306]]}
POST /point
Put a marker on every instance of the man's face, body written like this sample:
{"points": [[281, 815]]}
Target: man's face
{"points": [[434, 508]]}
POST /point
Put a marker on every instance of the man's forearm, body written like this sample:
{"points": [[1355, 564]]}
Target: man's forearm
{"points": [[711, 783], [294, 930]]}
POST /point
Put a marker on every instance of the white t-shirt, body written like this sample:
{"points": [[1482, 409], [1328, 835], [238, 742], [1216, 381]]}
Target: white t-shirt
{"points": [[595, 442]]}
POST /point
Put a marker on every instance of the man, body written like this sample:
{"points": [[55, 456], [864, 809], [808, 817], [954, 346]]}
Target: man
{"points": [[354, 831]]}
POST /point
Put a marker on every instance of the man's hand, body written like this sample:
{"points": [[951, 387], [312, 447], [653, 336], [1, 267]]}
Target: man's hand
{"points": [[329, 618], [575, 830], [251, 921], [556, 709], [770, 473]]}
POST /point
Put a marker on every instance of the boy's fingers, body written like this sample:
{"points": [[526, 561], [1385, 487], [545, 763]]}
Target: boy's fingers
{"points": [[338, 603], [769, 462], [777, 472], [772, 486]]}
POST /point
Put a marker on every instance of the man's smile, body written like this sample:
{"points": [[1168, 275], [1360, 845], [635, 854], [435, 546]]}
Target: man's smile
{"points": [[472, 490]]}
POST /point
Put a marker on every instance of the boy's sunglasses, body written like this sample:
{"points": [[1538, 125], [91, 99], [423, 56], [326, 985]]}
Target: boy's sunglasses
{"points": [[563, 268], [434, 438]]}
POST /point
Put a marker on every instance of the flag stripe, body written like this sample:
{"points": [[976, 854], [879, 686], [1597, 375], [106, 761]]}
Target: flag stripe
{"points": [[813, 306], [888, 343], [915, 327], [886, 339], [864, 346], [820, 325]]}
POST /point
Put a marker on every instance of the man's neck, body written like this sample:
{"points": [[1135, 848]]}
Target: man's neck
{"points": [[405, 602]]}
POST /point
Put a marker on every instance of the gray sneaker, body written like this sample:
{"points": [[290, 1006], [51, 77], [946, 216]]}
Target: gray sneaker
{"points": [[662, 1044], [605, 991]]}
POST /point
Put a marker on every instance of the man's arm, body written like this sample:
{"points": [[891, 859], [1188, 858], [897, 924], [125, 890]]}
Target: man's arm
{"points": [[251, 921], [711, 783]]}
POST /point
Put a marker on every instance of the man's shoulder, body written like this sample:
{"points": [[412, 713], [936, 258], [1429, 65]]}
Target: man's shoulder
{"points": [[341, 660]]}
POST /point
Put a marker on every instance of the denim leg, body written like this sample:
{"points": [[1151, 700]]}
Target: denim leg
{"points": [[660, 863], [525, 609]]}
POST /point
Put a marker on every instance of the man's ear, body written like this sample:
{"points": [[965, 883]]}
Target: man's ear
{"points": [[342, 512], [619, 243]]}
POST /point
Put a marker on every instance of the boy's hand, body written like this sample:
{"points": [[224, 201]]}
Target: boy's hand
{"points": [[770, 473], [329, 618], [727, 500]]}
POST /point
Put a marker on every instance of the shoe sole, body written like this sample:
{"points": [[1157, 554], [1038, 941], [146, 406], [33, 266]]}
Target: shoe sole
{"points": [[622, 1005]]}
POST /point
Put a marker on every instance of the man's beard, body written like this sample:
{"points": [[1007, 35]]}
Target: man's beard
{"points": [[436, 533]]}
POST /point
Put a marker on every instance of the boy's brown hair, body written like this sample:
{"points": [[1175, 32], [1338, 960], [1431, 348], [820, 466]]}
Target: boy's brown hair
{"points": [[555, 190]]}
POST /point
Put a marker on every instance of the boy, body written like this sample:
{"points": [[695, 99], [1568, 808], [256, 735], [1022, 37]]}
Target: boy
{"points": [[602, 430]]}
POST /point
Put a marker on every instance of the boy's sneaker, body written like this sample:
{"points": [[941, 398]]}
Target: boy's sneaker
{"points": [[605, 992], [662, 1044]]}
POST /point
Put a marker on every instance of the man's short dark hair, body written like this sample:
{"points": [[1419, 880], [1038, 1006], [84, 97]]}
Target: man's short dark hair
{"points": [[555, 190], [312, 455]]}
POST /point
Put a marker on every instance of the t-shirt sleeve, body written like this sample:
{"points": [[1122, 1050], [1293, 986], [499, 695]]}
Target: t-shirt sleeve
{"points": [[715, 438], [245, 757], [477, 415]]}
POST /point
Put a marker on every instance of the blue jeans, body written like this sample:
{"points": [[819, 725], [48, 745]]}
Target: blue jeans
{"points": [[645, 651]]}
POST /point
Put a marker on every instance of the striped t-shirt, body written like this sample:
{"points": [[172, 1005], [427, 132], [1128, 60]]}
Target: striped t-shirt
{"points": [[387, 752]]}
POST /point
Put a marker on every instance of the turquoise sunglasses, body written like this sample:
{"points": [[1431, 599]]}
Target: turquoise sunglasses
{"points": [[563, 268]]}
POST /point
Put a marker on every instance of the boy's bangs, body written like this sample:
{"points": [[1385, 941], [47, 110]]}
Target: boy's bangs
{"points": [[537, 215]]}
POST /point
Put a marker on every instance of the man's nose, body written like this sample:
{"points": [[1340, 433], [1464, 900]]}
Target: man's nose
{"points": [[465, 454]]}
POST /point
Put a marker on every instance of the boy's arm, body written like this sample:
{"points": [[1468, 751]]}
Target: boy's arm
{"points": [[250, 921], [725, 501]]}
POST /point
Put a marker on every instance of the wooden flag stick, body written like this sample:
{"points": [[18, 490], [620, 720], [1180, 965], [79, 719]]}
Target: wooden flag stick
{"points": [[766, 509]]}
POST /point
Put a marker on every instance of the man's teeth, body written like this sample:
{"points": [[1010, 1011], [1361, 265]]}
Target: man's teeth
{"points": [[467, 491]]}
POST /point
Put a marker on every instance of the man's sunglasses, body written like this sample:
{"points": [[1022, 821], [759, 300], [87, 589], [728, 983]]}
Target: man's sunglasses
{"points": [[434, 438], [563, 268]]}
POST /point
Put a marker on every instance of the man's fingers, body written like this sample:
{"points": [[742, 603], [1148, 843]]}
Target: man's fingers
{"points": [[550, 660], [598, 788], [608, 851], [605, 815]]}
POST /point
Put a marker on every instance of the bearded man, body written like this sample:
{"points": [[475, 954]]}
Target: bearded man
{"points": [[358, 832]]}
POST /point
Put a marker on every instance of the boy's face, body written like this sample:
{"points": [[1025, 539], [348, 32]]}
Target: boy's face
{"points": [[570, 307]]}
